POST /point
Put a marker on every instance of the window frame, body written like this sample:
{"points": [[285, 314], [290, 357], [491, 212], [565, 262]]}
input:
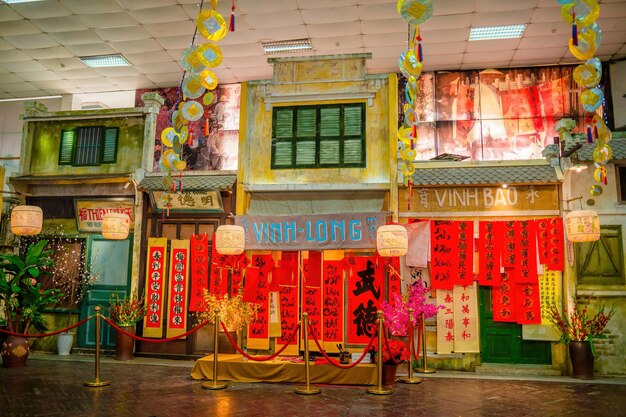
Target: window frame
{"points": [[585, 251], [101, 151]]}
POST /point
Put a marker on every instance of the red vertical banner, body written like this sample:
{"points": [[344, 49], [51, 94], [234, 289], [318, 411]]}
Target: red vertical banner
{"points": [[503, 300], [199, 252], [394, 277], [236, 279], [442, 264], [155, 284], [177, 288], [489, 241], [258, 329], [556, 245], [525, 270], [365, 288], [528, 304], [508, 248], [312, 269], [288, 317], [465, 253], [333, 301], [251, 284], [542, 240], [312, 304]]}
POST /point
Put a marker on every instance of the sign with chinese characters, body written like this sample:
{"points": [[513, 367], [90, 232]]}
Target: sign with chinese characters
{"points": [[188, 201], [258, 328], [365, 293], [311, 231], [333, 303], [289, 318], [445, 322], [199, 271], [466, 338], [89, 213], [463, 199], [550, 292], [177, 288], [155, 281]]}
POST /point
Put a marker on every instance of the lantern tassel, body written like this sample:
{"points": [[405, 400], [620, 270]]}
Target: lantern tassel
{"points": [[419, 37], [574, 30], [206, 127], [231, 24], [595, 131], [190, 141], [589, 135], [420, 55]]}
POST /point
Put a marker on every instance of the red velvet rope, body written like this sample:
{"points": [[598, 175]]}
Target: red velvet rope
{"points": [[143, 339], [83, 321], [395, 362], [334, 362], [260, 358], [416, 352]]}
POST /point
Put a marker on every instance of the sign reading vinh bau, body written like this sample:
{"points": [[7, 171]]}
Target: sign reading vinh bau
{"points": [[311, 231], [89, 213]]}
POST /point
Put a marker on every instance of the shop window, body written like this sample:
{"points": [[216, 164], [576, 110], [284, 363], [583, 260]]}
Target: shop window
{"points": [[621, 181], [318, 136], [601, 262], [92, 145]]}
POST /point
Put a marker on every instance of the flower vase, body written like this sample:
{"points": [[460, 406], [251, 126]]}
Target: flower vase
{"points": [[581, 357], [124, 345], [64, 343], [15, 351], [389, 374]]}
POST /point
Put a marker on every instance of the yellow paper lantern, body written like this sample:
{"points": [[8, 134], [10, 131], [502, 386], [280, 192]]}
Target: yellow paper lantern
{"points": [[115, 226], [230, 239], [26, 220], [582, 226], [392, 240]]}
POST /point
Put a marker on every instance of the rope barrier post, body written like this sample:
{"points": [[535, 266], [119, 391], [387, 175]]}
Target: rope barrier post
{"points": [[380, 390], [425, 369], [215, 385], [410, 379], [306, 390], [97, 382]]}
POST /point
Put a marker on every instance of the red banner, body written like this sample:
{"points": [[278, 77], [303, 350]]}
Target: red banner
{"points": [[333, 301], [503, 301], [543, 226], [288, 314], [312, 304], [528, 304], [177, 289], [525, 270], [199, 250], [365, 287], [508, 248], [312, 267], [155, 283], [489, 241], [443, 239], [395, 279], [464, 253], [555, 246], [236, 281], [251, 284], [259, 327]]}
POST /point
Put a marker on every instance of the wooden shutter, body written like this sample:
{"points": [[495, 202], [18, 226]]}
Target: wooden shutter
{"points": [[353, 145], [109, 151], [330, 131], [66, 147], [282, 138], [600, 262], [306, 132]]}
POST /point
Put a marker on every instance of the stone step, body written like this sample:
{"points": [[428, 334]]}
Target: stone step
{"points": [[516, 369]]}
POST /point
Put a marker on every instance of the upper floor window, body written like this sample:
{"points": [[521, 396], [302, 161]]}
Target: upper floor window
{"points": [[621, 183], [324, 136], [601, 262], [91, 145]]}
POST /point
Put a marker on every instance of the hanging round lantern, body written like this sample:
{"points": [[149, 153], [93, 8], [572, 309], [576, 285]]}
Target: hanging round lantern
{"points": [[582, 226], [392, 240], [26, 220], [230, 239], [115, 226]]}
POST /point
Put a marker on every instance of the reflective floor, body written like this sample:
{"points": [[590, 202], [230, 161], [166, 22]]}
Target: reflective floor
{"points": [[54, 387]]}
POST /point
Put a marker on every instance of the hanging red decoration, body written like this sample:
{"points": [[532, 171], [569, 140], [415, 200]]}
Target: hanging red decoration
{"points": [[231, 25], [574, 30]]}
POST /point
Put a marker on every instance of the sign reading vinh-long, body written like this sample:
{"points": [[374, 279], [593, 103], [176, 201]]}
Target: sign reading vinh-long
{"points": [[311, 231]]}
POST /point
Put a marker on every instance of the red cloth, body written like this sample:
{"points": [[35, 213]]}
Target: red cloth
{"points": [[489, 247], [528, 304], [443, 240], [199, 248], [365, 290], [525, 270], [288, 314], [251, 284], [503, 301], [464, 271], [555, 245], [333, 301], [313, 269]]}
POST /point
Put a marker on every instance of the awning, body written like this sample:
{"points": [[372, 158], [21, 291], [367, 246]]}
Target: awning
{"points": [[455, 175], [319, 202], [191, 182]]}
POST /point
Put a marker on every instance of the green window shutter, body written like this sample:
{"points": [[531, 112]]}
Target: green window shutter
{"points": [[352, 121], [283, 155], [306, 125], [283, 123], [66, 148], [330, 152], [305, 153], [330, 122], [600, 262], [353, 151], [109, 152]]}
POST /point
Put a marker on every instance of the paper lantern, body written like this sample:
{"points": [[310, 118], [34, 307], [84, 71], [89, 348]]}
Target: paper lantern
{"points": [[230, 239], [115, 226], [26, 220], [392, 240], [582, 226]]}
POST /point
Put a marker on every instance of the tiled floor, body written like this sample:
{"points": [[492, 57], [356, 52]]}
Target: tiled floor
{"points": [[53, 387]]}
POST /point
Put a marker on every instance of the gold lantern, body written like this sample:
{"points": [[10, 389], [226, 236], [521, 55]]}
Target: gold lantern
{"points": [[230, 239], [26, 220], [392, 240], [115, 226], [582, 226]]}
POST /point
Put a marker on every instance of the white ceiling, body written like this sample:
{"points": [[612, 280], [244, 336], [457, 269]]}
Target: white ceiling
{"points": [[40, 41]]}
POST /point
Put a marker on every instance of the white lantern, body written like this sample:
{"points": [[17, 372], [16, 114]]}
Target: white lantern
{"points": [[26, 220], [392, 240], [115, 226], [582, 226], [230, 239]]}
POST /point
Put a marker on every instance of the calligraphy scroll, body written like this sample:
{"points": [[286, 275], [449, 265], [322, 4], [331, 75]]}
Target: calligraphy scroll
{"points": [[199, 252], [528, 304], [333, 303], [288, 318], [217, 263], [236, 279], [275, 330], [177, 288], [555, 245], [155, 283], [466, 337], [464, 271], [251, 284], [508, 248], [525, 270], [445, 322], [258, 328], [312, 304], [443, 241], [550, 292], [503, 300], [394, 278], [365, 290], [489, 241]]}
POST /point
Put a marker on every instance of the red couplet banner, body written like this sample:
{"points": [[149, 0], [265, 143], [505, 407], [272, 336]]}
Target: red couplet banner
{"points": [[365, 292], [312, 304], [333, 301], [443, 248], [259, 327], [489, 245], [508, 250], [177, 288], [525, 270], [199, 259], [528, 304], [503, 301], [288, 314], [550, 243], [155, 283], [464, 251], [236, 280]]}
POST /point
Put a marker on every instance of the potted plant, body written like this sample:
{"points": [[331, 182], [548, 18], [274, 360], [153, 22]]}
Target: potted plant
{"points": [[396, 312], [24, 299], [577, 329], [125, 313], [394, 353]]}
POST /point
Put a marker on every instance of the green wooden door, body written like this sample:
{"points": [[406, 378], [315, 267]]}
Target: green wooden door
{"points": [[110, 260], [502, 342]]}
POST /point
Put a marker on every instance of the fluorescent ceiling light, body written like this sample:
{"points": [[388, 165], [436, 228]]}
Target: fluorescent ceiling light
{"points": [[99, 61], [19, 1], [292, 45], [496, 32]]}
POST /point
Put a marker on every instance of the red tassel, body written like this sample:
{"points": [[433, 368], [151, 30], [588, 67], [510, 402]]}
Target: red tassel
{"points": [[206, 127], [420, 54], [412, 144], [595, 131], [589, 135], [231, 25], [574, 30], [190, 141], [419, 37], [414, 132]]}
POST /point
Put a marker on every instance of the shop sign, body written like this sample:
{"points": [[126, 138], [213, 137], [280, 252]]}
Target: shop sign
{"points": [[89, 213], [187, 201], [311, 231]]}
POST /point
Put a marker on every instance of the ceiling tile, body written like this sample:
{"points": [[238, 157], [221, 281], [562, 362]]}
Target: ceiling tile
{"points": [[39, 76], [489, 6], [160, 15], [33, 93], [59, 24], [307, 4], [441, 49], [174, 42], [171, 66], [545, 41], [240, 36], [492, 45], [451, 61], [444, 36], [19, 67], [272, 20], [379, 11], [246, 61], [148, 57], [56, 84], [108, 20], [330, 15], [92, 7], [386, 39], [175, 53], [607, 49], [553, 54], [146, 4], [256, 7], [281, 33], [91, 49], [133, 47], [325, 30], [39, 40], [4, 45], [370, 27], [385, 52], [7, 14], [502, 18], [613, 10], [13, 55], [548, 15], [453, 7], [254, 73], [80, 37], [177, 29], [19, 27], [613, 37], [165, 78], [130, 33], [18, 87], [242, 50], [342, 42], [484, 64], [42, 9], [78, 73], [547, 29], [63, 64], [612, 24], [128, 82], [9, 79], [489, 56], [449, 22]]}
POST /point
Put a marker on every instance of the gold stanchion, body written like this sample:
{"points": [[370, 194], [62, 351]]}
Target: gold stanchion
{"points": [[425, 369], [410, 379], [97, 382], [306, 390], [380, 390], [214, 385]]}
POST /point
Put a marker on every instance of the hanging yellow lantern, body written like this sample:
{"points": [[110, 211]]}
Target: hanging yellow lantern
{"points": [[115, 226], [230, 239], [582, 226], [392, 240], [26, 220]]}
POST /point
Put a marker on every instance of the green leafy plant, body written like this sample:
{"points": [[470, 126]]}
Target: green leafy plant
{"points": [[21, 290], [127, 311]]}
